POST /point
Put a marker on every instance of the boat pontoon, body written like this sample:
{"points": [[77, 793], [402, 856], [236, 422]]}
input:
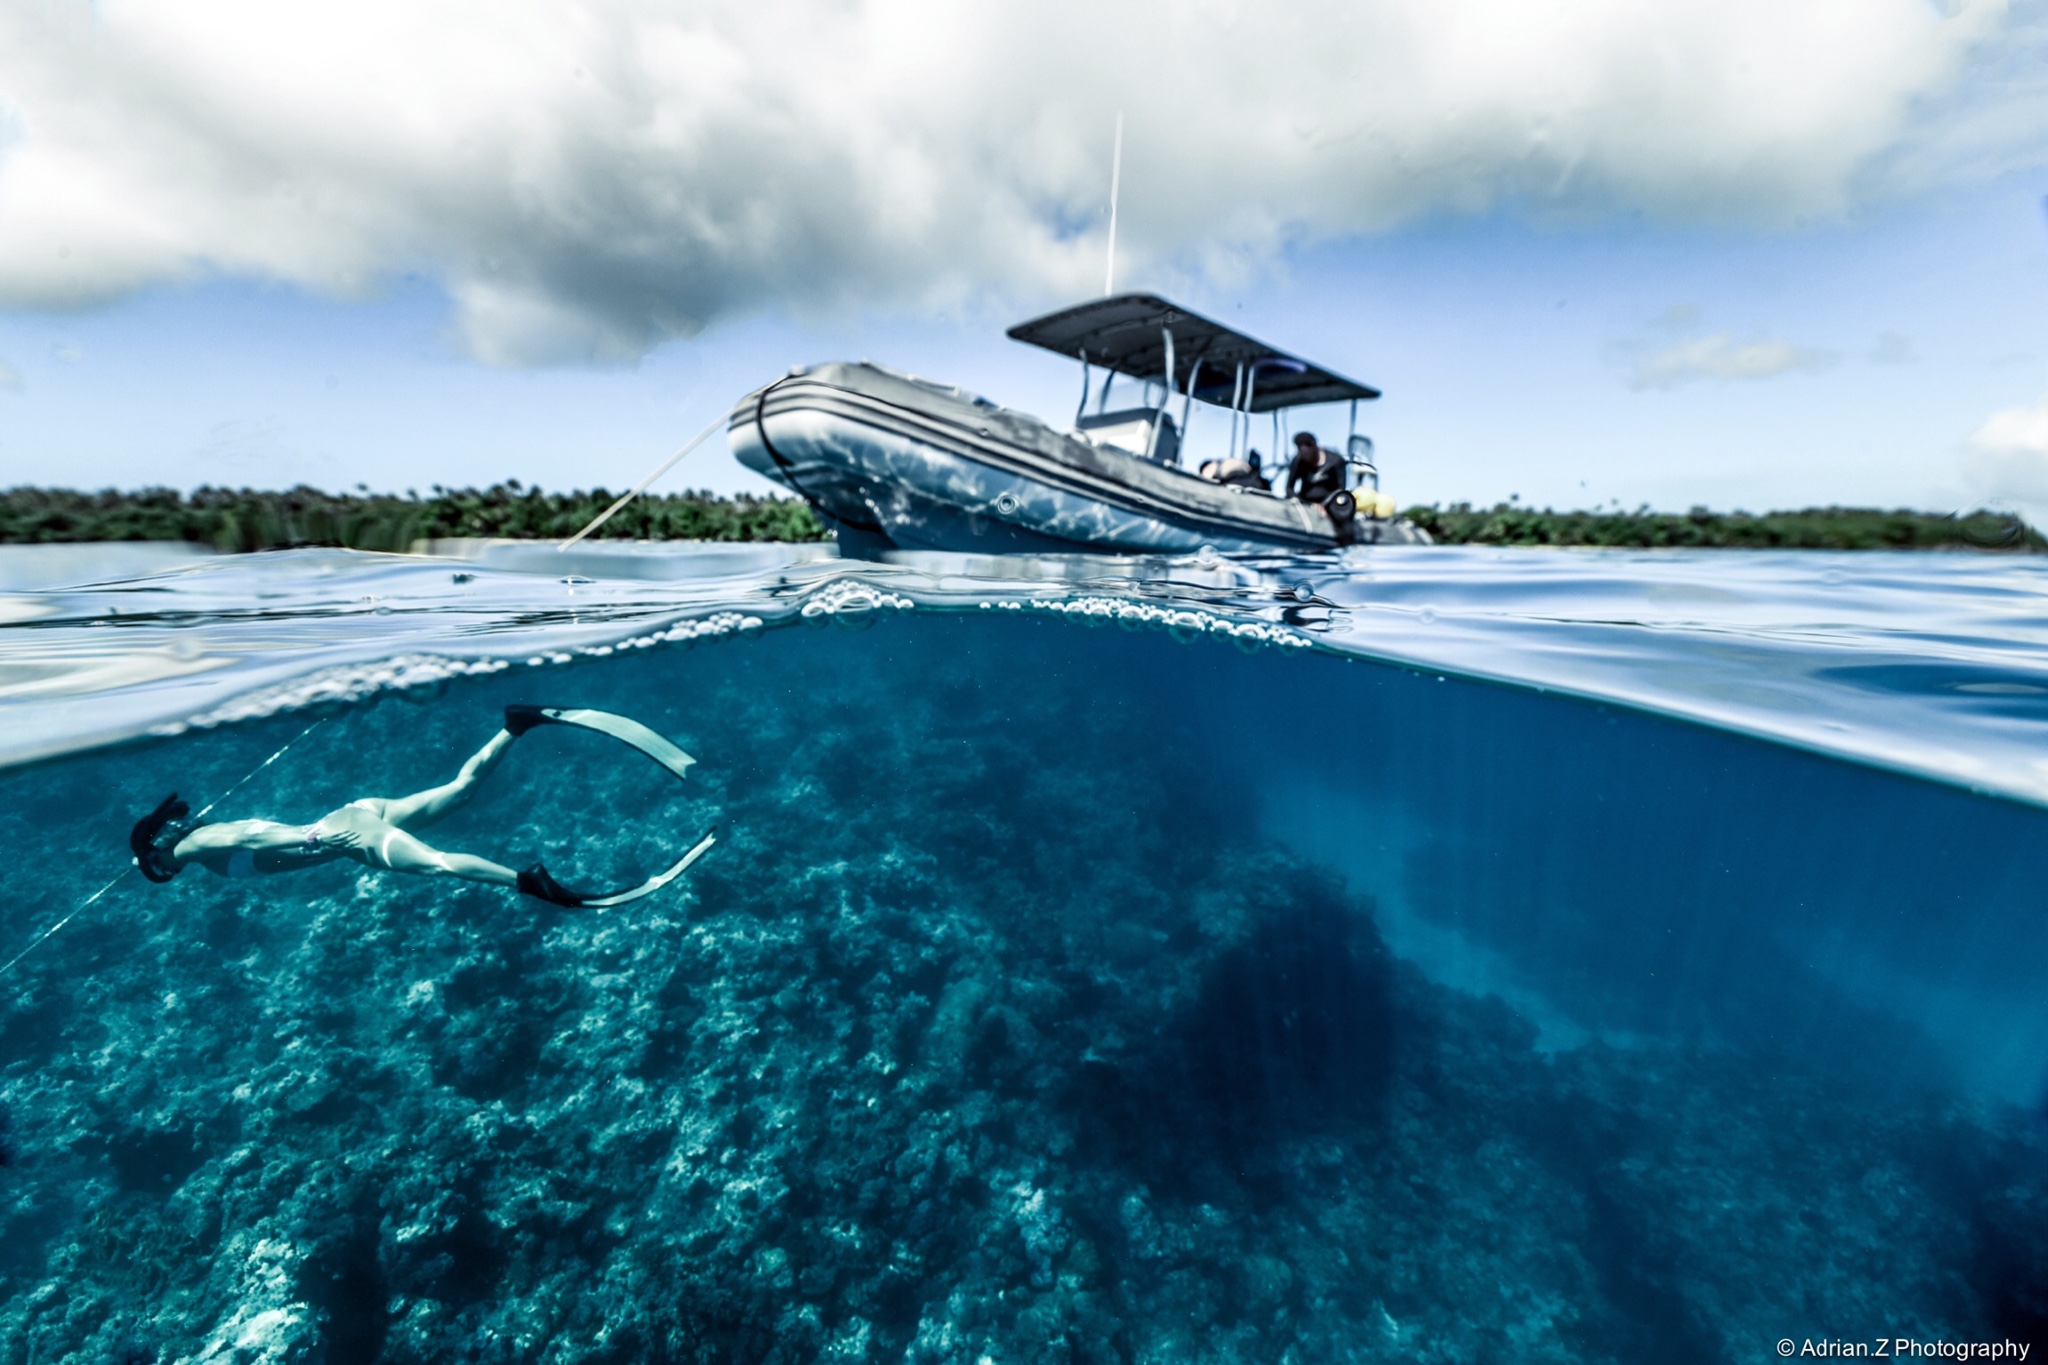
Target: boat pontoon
{"points": [[893, 461]]}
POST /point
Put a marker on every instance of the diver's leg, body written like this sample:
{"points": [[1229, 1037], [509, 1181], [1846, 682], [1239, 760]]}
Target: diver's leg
{"points": [[430, 805], [380, 843]]}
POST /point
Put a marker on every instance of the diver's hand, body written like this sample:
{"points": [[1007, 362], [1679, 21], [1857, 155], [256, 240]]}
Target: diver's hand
{"points": [[341, 839]]}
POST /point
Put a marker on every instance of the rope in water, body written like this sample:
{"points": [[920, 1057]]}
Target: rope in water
{"points": [[260, 767], [38, 941], [87, 904]]}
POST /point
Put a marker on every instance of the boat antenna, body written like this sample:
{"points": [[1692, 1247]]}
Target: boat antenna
{"points": [[89, 901], [1116, 171]]}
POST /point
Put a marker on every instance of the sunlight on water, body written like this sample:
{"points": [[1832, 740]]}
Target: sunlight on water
{"points": [[1100, 960]]}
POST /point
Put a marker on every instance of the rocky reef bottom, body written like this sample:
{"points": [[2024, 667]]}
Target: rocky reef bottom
{"points": [[984, 1035]]}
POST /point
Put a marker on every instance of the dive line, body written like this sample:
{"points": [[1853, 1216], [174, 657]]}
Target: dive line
{"points": [[38, 941], [87, 904]]}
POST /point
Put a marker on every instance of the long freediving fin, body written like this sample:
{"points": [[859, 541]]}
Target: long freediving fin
{"points": [[536, 881], [520, 718]]}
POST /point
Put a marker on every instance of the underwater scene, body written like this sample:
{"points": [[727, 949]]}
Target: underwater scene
{"points": [[1420, 956]]}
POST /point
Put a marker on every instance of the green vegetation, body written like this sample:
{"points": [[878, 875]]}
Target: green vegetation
{"points": [[241, 519], [1816, 528]]}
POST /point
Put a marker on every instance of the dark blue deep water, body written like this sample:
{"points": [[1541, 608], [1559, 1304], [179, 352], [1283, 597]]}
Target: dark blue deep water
{"points": [[1292, 963]]}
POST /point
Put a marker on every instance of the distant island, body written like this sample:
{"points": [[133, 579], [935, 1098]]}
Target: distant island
{"points": [[245, 519], [241, 519], [1815, 528]]}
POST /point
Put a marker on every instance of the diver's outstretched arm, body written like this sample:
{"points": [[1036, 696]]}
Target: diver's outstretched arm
{"points": [[422, 808]]}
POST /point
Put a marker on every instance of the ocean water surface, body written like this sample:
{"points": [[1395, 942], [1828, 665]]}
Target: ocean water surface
{"points": [[1439, 955]]}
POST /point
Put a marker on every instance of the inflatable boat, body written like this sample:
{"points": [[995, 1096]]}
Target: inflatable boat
{"points": [[892, 461]]}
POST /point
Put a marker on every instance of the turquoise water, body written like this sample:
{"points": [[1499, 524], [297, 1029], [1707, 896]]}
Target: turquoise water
{"points": [[1439, 955]]}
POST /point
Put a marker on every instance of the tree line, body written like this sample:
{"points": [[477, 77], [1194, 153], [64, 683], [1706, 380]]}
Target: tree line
{"points": [[247, 519], [237, 519], [1815, 528]]}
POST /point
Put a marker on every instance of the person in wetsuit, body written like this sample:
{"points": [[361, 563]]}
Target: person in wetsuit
{"points": [[1314, 473], [377, 831]]}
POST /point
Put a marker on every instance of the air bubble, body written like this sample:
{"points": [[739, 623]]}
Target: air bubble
{"points": [[418, 677], [850, 598]]}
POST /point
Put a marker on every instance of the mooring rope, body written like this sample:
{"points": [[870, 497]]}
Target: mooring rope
{"points": [[38, 942], [602, 517], [260, 767], [87, 904]]}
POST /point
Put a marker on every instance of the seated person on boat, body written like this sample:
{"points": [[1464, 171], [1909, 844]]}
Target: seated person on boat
{"points": [[1246, 473]]}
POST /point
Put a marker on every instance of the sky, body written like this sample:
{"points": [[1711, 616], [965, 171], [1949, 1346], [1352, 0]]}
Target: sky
{"points": [[1598, 252]]}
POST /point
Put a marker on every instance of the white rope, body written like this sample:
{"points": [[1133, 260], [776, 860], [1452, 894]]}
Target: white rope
{"points": [[667, 465], [260, 767], [62, 922], [89, 901]]}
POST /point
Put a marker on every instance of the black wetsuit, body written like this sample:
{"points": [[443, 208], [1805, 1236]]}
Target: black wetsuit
{"points": [[1314, 477]]}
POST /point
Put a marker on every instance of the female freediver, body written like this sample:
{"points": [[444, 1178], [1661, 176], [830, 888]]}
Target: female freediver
{"points": [[376, 831]]}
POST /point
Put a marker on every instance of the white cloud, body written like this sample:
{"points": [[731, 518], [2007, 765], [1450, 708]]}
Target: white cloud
{"points": [[1719, 357], [588, 180], [2015, 431], [1992, 123], [2008, 460]]}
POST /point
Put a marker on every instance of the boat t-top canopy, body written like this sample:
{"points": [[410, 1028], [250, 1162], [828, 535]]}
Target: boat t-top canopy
{"points": [[1146, 337]]}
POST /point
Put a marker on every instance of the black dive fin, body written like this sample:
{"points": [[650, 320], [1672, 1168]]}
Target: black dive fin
{"points": [[535, 881], [520, 718]]}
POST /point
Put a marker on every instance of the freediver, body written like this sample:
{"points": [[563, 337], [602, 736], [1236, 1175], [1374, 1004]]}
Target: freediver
{"points": [[377, 831]]}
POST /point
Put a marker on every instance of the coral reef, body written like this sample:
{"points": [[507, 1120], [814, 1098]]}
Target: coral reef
{"points": [[989, 1031]]}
